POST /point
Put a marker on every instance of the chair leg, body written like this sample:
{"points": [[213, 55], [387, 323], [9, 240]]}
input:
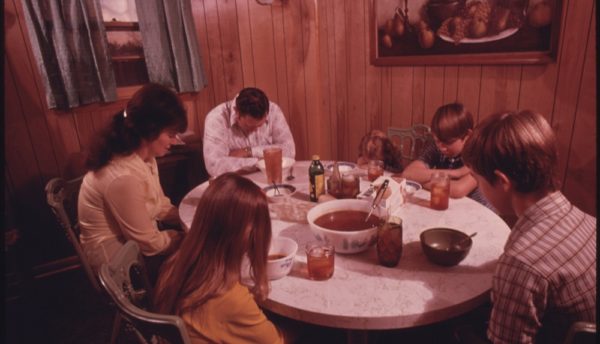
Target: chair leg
{"points": [[116, 328]]}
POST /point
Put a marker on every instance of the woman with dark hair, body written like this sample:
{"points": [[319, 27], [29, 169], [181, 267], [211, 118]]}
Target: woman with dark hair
{"points": [[201, 282], [121, 198]]}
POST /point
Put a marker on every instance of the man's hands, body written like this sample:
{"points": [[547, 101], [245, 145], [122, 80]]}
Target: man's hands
{"points": [[241, 153]]}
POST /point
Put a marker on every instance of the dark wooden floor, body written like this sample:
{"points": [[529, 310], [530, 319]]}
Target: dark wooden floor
{"points": [[63, 308]]}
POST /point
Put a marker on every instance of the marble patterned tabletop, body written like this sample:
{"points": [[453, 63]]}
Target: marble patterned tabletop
{"points": [[363, 295]]}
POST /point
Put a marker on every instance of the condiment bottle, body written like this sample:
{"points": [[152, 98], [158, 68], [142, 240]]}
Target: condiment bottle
{"points": [[316, 178]]}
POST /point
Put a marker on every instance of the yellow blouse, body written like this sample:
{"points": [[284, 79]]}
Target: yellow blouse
{"points": [[233, 317], [120, 202]]}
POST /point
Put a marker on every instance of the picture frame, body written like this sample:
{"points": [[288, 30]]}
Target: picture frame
{"points": [[427, 32]]}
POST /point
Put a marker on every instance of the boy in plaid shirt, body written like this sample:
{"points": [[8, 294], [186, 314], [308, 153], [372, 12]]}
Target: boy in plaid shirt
{"points": [[546, 278]]}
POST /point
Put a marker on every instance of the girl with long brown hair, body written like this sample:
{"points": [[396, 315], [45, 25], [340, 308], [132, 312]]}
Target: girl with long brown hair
{"points": [[201, 282]]}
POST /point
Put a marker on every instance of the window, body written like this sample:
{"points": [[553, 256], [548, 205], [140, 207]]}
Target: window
{"points": [[124, 42]]}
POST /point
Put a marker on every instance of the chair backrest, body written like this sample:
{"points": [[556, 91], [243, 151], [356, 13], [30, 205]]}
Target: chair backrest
{"points": [[126, 282], [410, 141], [61, 196], [581, 332]]}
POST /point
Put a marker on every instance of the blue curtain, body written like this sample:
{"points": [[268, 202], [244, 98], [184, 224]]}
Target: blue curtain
{"points": [[170, 44], [69, 44]]}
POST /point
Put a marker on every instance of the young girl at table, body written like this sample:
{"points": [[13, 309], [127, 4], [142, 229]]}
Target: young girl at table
{"points": [[451, 126], [121, 197], [201, 282], [375, 145]]}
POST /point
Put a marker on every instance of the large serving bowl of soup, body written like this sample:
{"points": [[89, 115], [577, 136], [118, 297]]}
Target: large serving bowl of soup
{"points": [[342, 223]]}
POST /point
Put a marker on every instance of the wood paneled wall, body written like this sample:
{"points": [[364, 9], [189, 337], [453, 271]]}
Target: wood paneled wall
{"points": [[312, 58]]}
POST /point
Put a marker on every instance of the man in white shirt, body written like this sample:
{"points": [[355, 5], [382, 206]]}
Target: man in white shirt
{"points": [[237, 131]]}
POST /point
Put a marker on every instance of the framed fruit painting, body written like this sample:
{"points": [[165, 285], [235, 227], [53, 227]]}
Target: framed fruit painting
{"points": [[442, 32]]}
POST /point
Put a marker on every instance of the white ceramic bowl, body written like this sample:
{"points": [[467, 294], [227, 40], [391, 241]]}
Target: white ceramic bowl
{"points": [[285, 191], [344, 241], [343, 166], [286, 163], [280, 267], [411, 187]]}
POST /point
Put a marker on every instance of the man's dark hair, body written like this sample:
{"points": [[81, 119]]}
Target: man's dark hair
{"points": [[252, 101]]}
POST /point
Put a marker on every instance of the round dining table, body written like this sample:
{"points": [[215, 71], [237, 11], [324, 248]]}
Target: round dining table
{"points": [[363, 295]]}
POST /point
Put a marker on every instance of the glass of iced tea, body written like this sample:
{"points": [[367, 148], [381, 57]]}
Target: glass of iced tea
{"points": [[320, 259], [273, 164], [350, 186], [440, 190], [374, 169]]}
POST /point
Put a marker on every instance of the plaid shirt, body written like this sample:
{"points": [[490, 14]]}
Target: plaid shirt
{"points": [[546, 278], [222, 134]]}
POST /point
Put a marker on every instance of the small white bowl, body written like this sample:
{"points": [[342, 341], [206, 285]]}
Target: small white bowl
{"points": [[343, 166], [411, 187], [286, 163], [344, 241], [285, 249], [285, 192]]}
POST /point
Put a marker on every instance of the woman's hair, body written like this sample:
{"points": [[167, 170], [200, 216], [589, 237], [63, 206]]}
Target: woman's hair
{"points": [[377, 146], [451, 121], [152, 109], [522, 145], [252, 101], [232, 220]]}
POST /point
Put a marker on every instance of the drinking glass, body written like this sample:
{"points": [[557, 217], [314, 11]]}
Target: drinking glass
{"points": [[389, 242], [320, 260], [374, 169], [440, 190], [350, 186], [273, 164]]}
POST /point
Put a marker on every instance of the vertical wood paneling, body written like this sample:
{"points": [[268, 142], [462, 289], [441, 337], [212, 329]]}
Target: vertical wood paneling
{"points": [[311, 57], [341, 127], [373, 101], [296, 38], [263, 50], [418, 96], [30, 102], [469, 88], [316, 133], [581, 165], [355, 31], [282, 95], [499, 89], [434, 91], [246, 41], [450, 84], [577, 26], [215, 51], [323, 118], [402, 96], [205, 99], [230, 44]]}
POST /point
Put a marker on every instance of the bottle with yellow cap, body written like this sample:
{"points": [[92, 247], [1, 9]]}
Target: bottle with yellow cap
{"points": [[316, 177]]}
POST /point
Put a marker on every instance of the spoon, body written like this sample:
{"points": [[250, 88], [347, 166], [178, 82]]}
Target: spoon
{"points": [[465, 239], [378, 197], [277, 192], [291, 175]]}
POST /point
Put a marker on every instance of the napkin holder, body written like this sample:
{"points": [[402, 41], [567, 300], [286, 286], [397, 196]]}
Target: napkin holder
{"points": [[392, 198]]}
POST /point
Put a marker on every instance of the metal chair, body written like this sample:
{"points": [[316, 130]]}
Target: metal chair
{"points": [[410, 141], [126, 282], [581, 332], [61, 196]]}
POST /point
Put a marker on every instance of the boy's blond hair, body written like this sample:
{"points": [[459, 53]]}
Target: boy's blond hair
{"points": [[522, 145]]}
